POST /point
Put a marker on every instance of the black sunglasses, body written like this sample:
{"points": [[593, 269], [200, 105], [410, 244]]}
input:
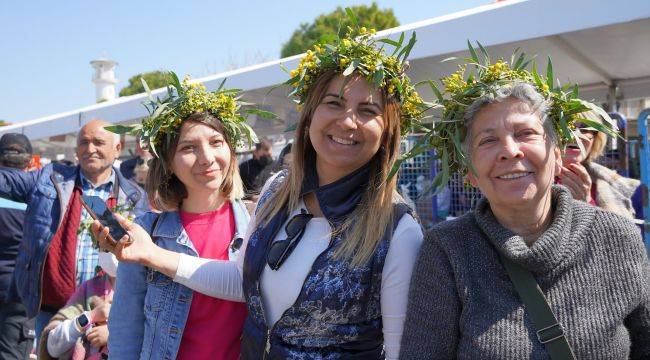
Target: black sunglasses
{"points": [[281, 249], [236, 244]]}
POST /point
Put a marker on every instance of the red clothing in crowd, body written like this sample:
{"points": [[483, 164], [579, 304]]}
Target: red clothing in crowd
{"points": [[214, 326]]}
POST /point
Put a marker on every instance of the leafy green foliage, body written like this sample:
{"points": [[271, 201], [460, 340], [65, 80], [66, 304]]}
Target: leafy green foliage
{"points": [[327, 27], [154, 79], [184, 99], [480, 76]]}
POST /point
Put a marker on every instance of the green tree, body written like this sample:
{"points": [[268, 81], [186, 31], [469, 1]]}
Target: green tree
{"points": [[326, 25], [155, 80]]}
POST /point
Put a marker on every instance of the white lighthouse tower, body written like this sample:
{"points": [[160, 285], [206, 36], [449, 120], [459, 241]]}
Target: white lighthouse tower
{"points": [[104, 79]]}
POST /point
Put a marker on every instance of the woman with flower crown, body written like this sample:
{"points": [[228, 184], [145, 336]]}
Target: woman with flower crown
{"points": [[530, 273], [328, 259], [194, 180]]}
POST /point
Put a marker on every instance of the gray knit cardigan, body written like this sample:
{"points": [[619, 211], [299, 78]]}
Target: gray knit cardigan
{"points": [[590, 264]]}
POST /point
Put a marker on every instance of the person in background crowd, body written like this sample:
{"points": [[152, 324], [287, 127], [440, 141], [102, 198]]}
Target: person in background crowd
{"points": [[252, 168], [194, 180], [281, 163], [141, 172], [16, 330], [79, 330], [55, 258], [340, 292], [127, 167], [596, 184], [587, 265]]}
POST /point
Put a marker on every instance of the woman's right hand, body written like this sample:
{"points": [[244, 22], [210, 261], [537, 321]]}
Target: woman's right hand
{"points": [[136, 247], [576, 178]]}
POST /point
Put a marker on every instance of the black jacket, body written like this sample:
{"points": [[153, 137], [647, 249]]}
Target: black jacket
{"points": [[12, 215]]}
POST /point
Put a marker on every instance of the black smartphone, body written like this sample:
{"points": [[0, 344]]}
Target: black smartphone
{"points": [[98, 210]]}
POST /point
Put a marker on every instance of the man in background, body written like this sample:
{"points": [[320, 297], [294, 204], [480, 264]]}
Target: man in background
{"points": [[57, 253], [251, 169]]}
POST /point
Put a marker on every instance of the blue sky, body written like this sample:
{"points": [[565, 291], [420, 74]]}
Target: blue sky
{"points": [[46, 46]]}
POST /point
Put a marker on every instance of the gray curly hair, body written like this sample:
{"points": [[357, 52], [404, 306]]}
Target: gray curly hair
{"points": [[518, 90]]}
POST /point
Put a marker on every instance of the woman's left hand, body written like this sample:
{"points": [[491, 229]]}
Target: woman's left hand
{"points": [[576, 178]]}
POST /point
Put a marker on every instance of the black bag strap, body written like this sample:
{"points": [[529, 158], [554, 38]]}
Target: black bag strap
{"points": [[549, 331]]}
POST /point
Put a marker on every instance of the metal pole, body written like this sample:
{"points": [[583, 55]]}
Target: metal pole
{"points": [[432, 174], [623, 166], [612, 105], [644, 152]]}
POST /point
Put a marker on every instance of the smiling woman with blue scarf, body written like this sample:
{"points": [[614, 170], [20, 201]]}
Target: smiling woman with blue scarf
{"points": [[331, 247]]}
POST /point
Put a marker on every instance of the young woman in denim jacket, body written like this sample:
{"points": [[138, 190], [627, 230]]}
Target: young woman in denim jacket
{"points": [[329, 256], [194, 179]]}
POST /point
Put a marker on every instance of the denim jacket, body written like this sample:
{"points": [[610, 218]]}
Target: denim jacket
{"points": [[149, 310], [46, 192]]}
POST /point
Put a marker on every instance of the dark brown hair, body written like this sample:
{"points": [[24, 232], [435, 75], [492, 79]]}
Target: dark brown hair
{"points": [[165, 190]]}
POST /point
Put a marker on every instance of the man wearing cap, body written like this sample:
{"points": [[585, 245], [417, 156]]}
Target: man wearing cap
{"points": [[57, 256], [16, 330]]}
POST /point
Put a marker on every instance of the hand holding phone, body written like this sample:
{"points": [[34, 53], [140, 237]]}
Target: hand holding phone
{"points": [[137, 248], [98, 210]]}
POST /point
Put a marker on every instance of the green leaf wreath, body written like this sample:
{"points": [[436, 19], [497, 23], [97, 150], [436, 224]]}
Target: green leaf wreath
{"points": [[184, 99], [480, 76], [358, 52]]}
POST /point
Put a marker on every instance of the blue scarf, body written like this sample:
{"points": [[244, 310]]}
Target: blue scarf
{"points": [[338, 199]]}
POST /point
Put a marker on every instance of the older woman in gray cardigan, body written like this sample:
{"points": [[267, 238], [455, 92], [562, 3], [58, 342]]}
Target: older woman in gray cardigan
{"points": [[590, 264]]}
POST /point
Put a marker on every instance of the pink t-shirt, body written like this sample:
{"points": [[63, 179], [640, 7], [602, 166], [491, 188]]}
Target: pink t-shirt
{"points": [[214, 326]]}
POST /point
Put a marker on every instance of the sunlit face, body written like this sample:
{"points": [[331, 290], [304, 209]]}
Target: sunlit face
{"points": [[346, 131], [201, 158], [514, 160], [96, 149], [572, 153]]}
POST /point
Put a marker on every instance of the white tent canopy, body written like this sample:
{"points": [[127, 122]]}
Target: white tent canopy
{"points": [[603, 46]]}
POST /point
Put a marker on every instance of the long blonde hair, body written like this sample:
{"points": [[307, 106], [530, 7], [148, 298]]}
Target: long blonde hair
{"points": [[366, 225]]}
